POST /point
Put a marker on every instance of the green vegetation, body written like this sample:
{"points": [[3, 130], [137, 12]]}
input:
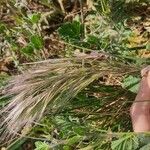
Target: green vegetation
{"points": [[80, 67]]}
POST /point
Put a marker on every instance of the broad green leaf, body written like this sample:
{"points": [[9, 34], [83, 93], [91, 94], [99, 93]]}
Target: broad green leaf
{"points": [[37, 42], [41, 146], [28, 49], [35, 18], [71, 31], [66, 147], [79, 130], [127, 142], [131, 83], [74, 140]]}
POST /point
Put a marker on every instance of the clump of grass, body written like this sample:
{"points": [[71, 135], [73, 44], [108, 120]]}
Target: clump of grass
{"points": [[49, 86]]}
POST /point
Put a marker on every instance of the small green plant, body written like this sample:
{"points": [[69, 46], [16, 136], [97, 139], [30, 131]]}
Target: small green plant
{"points": [[41, 146]]}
